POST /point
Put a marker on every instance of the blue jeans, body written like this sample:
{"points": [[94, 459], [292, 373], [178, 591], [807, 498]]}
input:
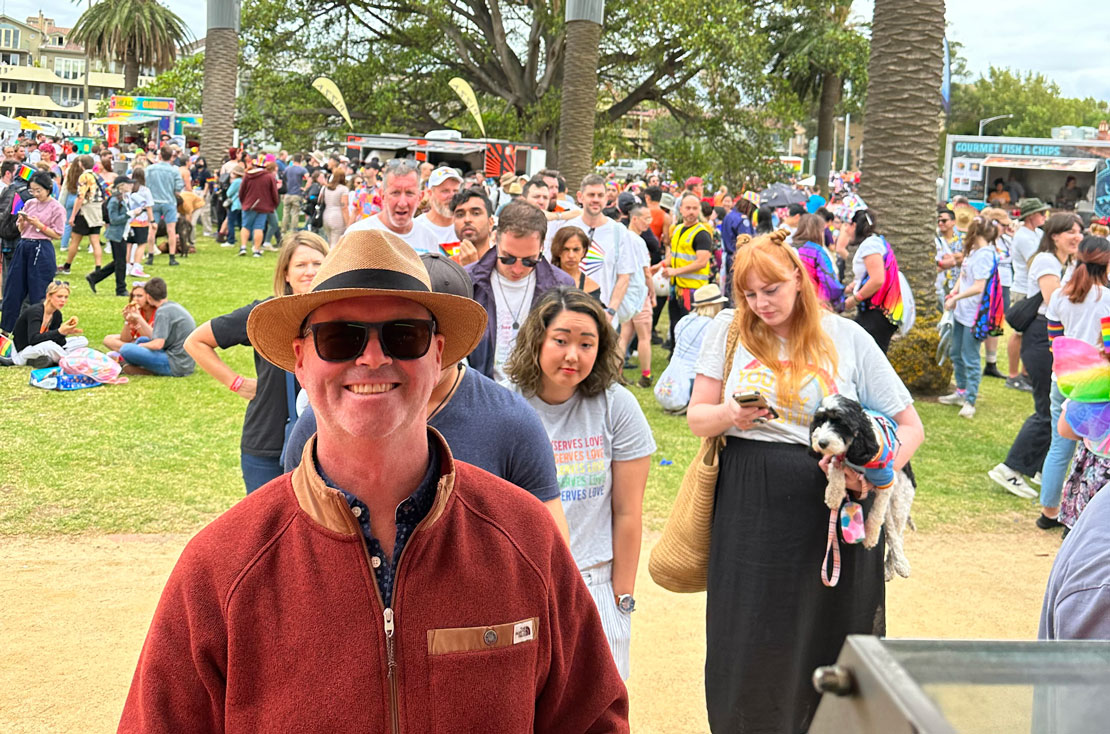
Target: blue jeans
{"points": [[151, 360], [234, 219], [258, 470], [68, 202], [965, 360], [1060, 452], [32, 267]]}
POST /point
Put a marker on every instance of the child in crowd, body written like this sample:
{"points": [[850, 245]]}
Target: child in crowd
{"points": [[140, 204]]}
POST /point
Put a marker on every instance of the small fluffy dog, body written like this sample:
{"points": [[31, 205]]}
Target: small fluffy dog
{"points": [[842, 429]]}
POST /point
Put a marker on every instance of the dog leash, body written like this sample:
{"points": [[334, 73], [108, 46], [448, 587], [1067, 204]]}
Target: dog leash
{"points": [[832, 547]]}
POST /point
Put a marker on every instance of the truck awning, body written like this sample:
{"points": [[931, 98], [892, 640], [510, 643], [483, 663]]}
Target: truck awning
{"points": [[1072, 165], [448, 146], [379, 142]]}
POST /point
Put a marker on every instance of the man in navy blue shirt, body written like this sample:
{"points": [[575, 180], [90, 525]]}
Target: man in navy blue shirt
{"points": [[293, 198], [483, 423]]}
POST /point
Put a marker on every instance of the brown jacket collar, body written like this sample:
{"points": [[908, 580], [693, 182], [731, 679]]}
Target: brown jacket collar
{"points": [[327, 507]]}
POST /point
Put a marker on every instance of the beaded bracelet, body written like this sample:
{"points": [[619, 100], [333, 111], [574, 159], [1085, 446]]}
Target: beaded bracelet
{"points": [[236, 383]]}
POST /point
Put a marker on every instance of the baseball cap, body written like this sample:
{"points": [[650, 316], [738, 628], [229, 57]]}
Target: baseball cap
{"points": [[694, 181], [441, 174], [626, 201], [446, 275]]}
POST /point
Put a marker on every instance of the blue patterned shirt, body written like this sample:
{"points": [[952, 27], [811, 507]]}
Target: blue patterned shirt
{"points": [[409, 514]]}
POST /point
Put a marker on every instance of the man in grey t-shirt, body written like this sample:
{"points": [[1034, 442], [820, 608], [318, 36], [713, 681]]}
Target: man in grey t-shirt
{"points": [[160, 348]]}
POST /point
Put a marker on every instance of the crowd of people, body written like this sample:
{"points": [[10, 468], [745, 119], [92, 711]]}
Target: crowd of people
{"points": [[423, 323]]}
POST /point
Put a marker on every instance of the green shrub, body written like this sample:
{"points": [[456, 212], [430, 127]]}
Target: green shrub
{"points": [[914, 358]]}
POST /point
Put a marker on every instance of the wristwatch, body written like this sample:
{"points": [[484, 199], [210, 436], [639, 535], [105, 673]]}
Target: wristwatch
{"points": [[625, 603], [610, 311]]}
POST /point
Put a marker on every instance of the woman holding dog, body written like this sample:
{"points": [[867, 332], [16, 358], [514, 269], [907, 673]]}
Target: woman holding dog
{"points": [[769, 619]]}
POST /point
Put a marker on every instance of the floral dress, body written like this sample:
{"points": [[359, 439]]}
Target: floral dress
{"points": [[1089, 473]]}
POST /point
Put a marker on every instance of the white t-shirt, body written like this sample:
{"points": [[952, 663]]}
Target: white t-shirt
{"points": [[609, 256], [587, 435], [976, 266], [513, 300], [1045, 263], [873, 245], [1081, 320], [445, 237], [553, 226], [1024, 246], [420, 238], [863, 373], [637, 292]]}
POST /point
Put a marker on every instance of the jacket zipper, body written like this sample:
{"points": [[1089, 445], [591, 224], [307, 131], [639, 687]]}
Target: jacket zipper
{"points": [[392, 663]]}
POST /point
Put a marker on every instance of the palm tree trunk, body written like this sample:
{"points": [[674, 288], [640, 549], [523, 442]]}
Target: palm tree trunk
{"points": [[830, 96], [221, 71], [902, 131], [130, 70], [579, 104]]}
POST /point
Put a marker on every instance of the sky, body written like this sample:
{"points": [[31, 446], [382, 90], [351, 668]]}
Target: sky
{"points": [[1069, 48]]}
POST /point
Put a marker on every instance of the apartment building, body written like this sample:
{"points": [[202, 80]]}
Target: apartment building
{"points": [[42, 73]]}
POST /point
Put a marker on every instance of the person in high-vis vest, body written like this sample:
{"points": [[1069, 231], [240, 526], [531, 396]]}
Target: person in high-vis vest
{"points": [[691, 248]]}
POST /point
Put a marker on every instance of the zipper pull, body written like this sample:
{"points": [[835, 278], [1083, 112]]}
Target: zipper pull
{"points": [[388, 622]]}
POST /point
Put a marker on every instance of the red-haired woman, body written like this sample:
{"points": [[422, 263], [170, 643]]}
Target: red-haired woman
{"points": [[769, 619]]}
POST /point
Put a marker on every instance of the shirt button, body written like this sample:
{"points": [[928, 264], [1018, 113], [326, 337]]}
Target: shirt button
{"points": [[356, 511], [375, 561], [490, 637]]}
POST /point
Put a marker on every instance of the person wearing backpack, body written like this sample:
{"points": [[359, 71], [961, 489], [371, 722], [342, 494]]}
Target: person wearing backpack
{"points": [[9, 223], [980, 266], [88, 214]]}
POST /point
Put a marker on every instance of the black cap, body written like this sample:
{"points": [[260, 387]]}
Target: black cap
{"points": [[627, 200], [446, 275]]}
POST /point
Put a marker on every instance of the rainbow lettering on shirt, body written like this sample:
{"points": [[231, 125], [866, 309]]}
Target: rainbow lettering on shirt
{"points": [[797, 408]]}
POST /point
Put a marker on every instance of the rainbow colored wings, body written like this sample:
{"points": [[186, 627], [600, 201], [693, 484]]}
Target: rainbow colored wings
{"points": [[1083, 375]]}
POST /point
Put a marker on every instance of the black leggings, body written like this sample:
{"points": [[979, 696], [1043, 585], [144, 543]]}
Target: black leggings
{"points": [[117, 266], [875, 323], [1031, 445]]}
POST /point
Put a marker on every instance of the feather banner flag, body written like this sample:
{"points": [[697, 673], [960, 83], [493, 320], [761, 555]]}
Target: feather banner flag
{"points": [[327, 87], [466, 94]]}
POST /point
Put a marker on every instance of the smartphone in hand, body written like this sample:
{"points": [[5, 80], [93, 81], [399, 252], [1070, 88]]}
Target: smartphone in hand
{"points": [[755, 399]]}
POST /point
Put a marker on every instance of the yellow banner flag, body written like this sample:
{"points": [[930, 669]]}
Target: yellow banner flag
{"points": [[466, 94], [327, 88]]}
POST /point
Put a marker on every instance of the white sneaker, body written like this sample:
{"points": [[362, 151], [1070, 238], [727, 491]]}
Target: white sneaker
{"points": [[138, 272], [968, 411], [1013, 482], [956, 398], [1036, 479]]}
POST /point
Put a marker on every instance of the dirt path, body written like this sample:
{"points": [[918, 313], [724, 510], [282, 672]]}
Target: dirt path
{"points": [[75, 611]]}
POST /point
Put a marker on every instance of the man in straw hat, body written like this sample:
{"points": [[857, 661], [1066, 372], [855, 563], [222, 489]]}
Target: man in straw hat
{"points": [[383, 585]]}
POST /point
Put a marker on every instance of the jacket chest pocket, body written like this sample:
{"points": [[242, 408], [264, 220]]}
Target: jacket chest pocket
{"points": [[482, 679]]}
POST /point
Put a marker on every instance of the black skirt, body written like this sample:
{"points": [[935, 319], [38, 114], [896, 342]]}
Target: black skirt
{"points": [[769, 620], [81, 226]]}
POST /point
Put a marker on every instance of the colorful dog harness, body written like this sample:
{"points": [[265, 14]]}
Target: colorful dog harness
{"points": [[879, 472]]}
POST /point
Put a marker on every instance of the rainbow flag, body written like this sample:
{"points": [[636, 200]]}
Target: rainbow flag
{"points": [[6, 347], [889, 296], [25, 172]]}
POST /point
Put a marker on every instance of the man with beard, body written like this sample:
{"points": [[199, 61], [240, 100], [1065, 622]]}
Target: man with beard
{"points": [[400, 197], [473, 217], [443, 184]]}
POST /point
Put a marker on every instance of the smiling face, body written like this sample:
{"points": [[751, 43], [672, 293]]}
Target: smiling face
{"points": [[773, 303], [1068, 242], [302, 269], [373, 394], [568, 353], [399, 201], [592, 199]]}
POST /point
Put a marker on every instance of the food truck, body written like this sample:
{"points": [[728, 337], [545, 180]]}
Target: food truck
{"points": [[1041, 165], [448, 147]]}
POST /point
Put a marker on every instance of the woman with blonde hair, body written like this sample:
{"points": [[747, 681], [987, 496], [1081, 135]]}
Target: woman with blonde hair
{"points": [[337, 215], [271, 411], [567, 365], [42, 336], [769, 619]]}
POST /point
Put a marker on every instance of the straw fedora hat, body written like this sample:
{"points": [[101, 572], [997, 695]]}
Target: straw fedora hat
{"points": [[366, 263]]}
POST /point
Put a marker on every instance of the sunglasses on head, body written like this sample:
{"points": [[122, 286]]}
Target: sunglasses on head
{"points": [[528, 262], [343, 341], [61, 282]]}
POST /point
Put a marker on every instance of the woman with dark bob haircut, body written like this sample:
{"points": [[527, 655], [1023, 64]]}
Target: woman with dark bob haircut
{"points": [[566, 363]]}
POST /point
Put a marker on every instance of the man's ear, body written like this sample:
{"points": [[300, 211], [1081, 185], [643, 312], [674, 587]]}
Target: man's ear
{"points": [[299, 352]]}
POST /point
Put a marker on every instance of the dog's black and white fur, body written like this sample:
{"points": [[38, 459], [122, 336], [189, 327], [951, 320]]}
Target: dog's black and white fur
{"points": [[842, 429]]}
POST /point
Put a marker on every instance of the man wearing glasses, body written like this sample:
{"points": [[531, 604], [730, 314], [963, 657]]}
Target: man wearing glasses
{"points": [[382, 586], [401, 196], [508, 281]]}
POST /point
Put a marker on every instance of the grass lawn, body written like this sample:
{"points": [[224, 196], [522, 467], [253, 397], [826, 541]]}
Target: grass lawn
{"points": [[162, 454]]}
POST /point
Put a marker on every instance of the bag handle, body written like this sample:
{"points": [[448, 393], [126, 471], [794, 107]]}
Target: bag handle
{"points": [[730, 350]]}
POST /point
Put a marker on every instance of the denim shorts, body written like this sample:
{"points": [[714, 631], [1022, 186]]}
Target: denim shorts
{"points": [[254, 220], [165, 211]]}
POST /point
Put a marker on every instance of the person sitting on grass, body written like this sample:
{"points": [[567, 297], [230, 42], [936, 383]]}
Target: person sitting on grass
{"points": [[271, 395], [42, 336], [138, 309], [160, 348], [677, 381]]}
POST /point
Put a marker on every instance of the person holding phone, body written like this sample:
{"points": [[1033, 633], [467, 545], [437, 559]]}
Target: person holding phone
{"points": [[33, 265], [769, 620]]}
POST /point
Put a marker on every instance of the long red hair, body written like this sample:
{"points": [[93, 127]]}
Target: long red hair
{"points": [[770, 260]]}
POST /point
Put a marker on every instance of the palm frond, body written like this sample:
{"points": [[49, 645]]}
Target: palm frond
{"points": [[146, 28]]}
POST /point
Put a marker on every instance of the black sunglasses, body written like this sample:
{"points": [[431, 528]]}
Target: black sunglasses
{"points": [[528, 262], [343, 341], [61, 282]]}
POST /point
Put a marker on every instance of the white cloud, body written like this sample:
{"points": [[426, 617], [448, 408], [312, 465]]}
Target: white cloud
{"points": [[1065, 42]]}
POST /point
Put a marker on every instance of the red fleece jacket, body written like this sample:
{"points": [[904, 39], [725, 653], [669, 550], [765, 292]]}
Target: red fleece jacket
{"points": [[259, 191], [272, 622]]}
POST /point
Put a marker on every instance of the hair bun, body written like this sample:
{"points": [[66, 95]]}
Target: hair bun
{"points": [[779, 236], [742, 240]]}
